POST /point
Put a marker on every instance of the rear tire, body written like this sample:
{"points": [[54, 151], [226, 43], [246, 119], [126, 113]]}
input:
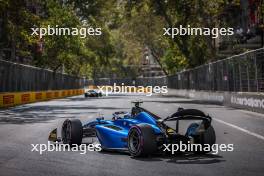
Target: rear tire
{"points": [[204, 138], [141, 140], [72, 132]]}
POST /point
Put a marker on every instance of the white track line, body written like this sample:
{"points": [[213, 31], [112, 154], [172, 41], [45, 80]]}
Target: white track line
{"points": [[239, 128]]}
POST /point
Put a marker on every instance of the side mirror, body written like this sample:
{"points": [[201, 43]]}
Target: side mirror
{"points": [[53, 136]]}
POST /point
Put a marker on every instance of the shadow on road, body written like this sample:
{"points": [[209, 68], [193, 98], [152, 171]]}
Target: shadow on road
{"points": [[44, 113], [30, 118], [109, 152], [185, 158], [57, 109], [92, 98], [181, 158]]}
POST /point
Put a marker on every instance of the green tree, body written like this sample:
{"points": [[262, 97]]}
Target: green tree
{"points": [[15, 38], [191, 50]]}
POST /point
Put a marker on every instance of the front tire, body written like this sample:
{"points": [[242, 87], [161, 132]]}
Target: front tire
{"points": [[72, 132], [141, 140]]}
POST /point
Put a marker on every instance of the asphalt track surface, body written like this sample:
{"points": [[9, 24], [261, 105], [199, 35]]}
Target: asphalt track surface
{"points": [[30, 124]]}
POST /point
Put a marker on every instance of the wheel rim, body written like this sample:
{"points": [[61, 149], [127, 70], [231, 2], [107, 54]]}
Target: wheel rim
{"points": [[67, 132], [134, 141]]}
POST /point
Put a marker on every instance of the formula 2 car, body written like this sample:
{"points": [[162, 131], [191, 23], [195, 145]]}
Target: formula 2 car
{"points": [[139, 132], [92, 93]]}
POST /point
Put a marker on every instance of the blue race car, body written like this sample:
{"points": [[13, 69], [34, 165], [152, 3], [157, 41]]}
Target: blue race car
{"points": [[140, 132]]}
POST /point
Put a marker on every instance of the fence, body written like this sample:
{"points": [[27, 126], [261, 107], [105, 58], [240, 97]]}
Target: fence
{"points": [[240, 73], [17, 78], [151, 81]]}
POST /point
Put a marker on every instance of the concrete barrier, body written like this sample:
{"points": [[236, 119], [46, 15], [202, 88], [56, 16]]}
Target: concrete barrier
{"points": [[247, 101], [21, 84], [213, 97], [9, 99]]}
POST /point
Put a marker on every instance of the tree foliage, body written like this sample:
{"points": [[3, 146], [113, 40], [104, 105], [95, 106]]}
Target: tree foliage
{"points": [[127, 28]]}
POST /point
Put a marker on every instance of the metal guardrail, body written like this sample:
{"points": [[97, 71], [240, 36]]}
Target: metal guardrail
{"points": [[17, 78]]}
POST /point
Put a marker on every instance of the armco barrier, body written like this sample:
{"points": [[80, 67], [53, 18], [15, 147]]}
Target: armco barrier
{"points": [[9, 99]]}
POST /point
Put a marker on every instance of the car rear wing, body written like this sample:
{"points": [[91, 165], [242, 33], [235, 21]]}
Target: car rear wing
{"points": [[189, 114]]}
